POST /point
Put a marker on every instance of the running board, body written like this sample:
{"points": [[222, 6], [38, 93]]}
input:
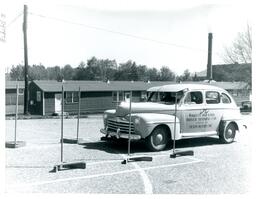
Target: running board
{"points": [[198, 134]]}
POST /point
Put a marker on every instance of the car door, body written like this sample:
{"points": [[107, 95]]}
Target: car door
{"points": [[191, 111], [213, 110]]}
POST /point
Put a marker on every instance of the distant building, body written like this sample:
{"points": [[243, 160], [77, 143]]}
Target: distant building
{"points": [[240, 91], [201, 76], [10, 97], [232, 72], [224, 74], [96, 96]]}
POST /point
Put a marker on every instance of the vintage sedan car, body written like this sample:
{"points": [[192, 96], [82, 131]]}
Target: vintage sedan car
{"points": [[201, 110], [246, 106]]}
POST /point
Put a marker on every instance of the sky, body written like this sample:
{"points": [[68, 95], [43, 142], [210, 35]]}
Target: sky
{"points": [[155, 33]]}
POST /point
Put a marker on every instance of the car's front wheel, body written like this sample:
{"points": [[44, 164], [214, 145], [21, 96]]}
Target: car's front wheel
{"points": [[158, 139], [228, 135]]}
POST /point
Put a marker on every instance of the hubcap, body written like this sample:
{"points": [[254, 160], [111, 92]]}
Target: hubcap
{"points": [[158, 139], [229, 133]]}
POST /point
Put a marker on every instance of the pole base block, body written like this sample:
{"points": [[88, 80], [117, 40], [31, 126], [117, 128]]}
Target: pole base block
{"points": [[12, 144], [72, 140], [68, 165], [182, 153], [138, 158]]}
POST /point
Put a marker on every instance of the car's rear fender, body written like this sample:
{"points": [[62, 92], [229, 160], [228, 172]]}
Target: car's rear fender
{"points": [[225, 123], [234, 117]]}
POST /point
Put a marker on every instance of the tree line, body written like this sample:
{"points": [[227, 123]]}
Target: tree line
{"points": [[105, 69], [100, 70]]}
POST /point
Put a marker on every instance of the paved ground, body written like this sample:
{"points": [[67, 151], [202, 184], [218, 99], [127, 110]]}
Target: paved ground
{"points": [[215, 168]]}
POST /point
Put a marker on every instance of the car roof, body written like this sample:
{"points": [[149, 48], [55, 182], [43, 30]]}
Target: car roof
{"points": [[155, 88], [180, 87]]}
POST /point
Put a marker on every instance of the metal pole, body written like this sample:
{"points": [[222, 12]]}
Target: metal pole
{"points": [[175, 115], [16, 113], [25, 60], [62, 111], [209, 62], [78, 115], [130, 120], [129, 159], [179, 153]]}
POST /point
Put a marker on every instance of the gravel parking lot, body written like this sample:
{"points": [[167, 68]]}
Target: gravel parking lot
{"points": [[214, 169]]}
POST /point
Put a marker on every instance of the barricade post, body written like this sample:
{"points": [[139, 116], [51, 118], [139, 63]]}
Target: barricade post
{"points": [[134, 158], [66, 165], [176, 153], [15, 143], [76, 140]]}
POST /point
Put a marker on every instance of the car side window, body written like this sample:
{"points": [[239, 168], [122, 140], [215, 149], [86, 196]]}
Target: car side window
{"points": [[194, 98], [212, 97], [225, 98]]}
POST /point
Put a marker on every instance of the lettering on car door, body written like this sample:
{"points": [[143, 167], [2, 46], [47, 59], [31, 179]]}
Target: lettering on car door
{"points": [[191, 112]]}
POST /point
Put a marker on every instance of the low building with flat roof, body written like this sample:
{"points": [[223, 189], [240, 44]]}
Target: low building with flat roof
{"points": [[96, 96]]}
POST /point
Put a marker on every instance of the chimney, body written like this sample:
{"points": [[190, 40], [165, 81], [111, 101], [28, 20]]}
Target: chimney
{"points": [[209, 61]]}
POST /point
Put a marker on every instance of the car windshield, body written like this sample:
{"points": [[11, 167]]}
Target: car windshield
{"points": [[165, 97]]}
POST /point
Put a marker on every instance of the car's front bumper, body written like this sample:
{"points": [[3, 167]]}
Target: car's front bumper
{"points": [[120, 135]]}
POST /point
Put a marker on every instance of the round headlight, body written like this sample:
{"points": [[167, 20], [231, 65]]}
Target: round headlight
{"points": [[137, 120], [105, 116]]}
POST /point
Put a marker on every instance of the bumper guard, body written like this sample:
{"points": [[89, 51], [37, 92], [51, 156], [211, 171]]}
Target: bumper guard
{"points": [[120, 135]]}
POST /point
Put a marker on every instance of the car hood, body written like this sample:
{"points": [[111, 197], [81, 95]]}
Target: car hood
{"points": [[143, 107]]}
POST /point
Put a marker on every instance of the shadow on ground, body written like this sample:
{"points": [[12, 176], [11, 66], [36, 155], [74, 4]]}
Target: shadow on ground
{"points": [[121, 146], [116, 146]]}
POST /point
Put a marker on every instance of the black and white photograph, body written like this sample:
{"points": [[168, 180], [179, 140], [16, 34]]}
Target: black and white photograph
{"points": [[138, 98]]}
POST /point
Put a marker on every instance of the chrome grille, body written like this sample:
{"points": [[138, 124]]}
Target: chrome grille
{"points": [[114, 124]]}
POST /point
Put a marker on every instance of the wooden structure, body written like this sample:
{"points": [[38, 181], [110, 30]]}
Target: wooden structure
{"points": [[96, 96]]}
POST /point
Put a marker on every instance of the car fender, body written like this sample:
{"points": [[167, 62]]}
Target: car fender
{"points": [[145, 123], [231, 114], [231, 117]]}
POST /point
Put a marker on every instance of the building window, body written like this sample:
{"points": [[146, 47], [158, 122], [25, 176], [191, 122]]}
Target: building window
{"points": [[233, 92], [38, 96], [118, 96], [212, 97], [21, 91], [75, 97], [72, 97], [114, 96], [143, 95]]}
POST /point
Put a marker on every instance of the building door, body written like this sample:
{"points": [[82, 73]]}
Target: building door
{"points": [[58, 97]]}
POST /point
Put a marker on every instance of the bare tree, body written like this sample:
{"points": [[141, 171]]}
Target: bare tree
{"points": [[241, 49]]}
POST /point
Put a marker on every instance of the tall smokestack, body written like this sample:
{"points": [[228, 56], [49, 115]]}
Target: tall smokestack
{"points": [[209, 62]]}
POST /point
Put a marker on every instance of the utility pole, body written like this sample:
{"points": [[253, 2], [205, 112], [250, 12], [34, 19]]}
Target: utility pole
{"points": [[25, 60], [209, 63]]}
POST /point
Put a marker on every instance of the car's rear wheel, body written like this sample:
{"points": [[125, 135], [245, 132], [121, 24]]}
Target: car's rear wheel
{"points": [[158, 139], [228, 135]]}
